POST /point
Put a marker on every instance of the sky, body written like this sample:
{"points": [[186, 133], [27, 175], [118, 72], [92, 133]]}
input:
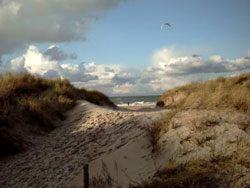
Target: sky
{"points": [[117, 46]]}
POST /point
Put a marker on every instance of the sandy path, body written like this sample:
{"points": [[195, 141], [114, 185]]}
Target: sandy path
{"points": [[89, 133]]}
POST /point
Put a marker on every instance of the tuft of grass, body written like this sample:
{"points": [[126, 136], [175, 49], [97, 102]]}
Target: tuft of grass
{"points": [[154, 134], [155, 131], [217, 170], [104, 180], [32, 104], [196, 174], [221, 93]]}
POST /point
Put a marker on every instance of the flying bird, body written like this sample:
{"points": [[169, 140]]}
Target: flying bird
{"points": [[165, 24]]}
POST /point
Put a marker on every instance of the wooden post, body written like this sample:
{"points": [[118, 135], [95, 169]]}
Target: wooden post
{"points": [[86, 176]]}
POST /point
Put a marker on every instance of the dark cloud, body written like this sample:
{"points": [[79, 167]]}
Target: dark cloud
{"points": [[125, 77], [51, 74], [196, 55], [29, 21], [73, 56], [54, 53], [108, 69], [79, 77]]}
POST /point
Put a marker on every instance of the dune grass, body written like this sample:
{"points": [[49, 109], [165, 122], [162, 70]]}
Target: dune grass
{"points": [[159, 127], [31, 103], [215, 171], [221, 93], [218, 94], [196, 174], [231, 93]]}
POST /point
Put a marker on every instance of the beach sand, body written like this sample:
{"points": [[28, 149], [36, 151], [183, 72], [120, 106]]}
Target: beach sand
{"points": [[91, 135], [130, 159], [115, 145]]}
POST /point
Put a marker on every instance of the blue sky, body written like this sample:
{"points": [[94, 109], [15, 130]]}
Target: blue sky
{"points": [[126, 36], [131, 32]]}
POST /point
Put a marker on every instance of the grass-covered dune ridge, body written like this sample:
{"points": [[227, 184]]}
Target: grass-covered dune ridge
{"points": [[31, 104], [211, 124], [221, 93]]}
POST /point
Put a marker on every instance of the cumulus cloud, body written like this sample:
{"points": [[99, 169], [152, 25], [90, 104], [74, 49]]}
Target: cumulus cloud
{"points": [[126, 76], [167, 71], [166, 62], [28, 21], [76, 73], [37, 63], [123, 88], [15, 65], [170, 69]]}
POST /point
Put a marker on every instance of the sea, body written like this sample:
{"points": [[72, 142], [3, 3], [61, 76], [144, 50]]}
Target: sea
{"points": [[135, 100]]}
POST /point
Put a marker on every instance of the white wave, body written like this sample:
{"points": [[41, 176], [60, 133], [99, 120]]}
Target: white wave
{"points": [[137, 103]]}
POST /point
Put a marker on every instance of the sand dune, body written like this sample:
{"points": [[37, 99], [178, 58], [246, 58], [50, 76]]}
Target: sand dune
{"points": [[89, 134], [114, 142]]}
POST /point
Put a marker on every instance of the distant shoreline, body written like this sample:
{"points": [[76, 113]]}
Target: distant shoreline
{"points": [[125, 101], [142, 108]]}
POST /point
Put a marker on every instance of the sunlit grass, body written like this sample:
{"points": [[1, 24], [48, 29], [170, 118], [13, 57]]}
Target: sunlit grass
{"points": [[221, 93]]}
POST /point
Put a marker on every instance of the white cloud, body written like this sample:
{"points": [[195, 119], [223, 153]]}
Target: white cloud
{"points": [[76, 73], [35, 62], [32, 21], [167, 63], [169, 70], [15, 65], [126, 76], [125, 88]]}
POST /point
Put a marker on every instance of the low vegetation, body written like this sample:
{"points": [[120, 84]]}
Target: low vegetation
{"points": [[215, 171], [104, 179], [159, 127], [31, 104], [221, 93], [197, 174], [231, 94]]}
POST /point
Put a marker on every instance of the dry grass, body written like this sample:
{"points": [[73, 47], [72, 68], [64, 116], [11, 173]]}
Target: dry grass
{"points": [[218, 170], [28, 103], [196, 174], [104, 180], [214, 171], [158, 127], [221, 93]]}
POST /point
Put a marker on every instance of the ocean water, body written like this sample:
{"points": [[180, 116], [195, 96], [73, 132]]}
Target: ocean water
{"points": [[135, 100]]}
